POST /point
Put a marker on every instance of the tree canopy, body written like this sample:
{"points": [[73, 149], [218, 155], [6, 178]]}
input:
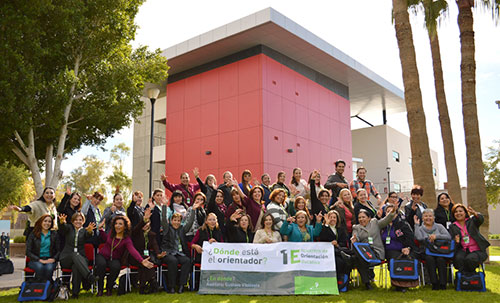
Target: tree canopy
{"points": [[68, 77], [492, 174]]}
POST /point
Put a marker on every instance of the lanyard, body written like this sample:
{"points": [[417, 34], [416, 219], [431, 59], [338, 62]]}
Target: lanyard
{"points": [[76, 238], [146, 240], [389, 230], [113, 247], [447, 214], [246, 234], [210, 231]]}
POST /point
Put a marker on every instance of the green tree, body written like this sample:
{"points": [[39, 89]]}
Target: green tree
{"points": [[119, 180], [492, 173], [68, 77], [476, 187], [14, 181], [88, 178], [433, 11], [419, 142]]}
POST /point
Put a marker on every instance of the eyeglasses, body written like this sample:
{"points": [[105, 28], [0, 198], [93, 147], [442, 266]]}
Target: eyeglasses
{"points": [[394, 197]]}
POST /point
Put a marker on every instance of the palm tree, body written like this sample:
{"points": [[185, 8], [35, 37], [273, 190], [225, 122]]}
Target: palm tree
{"points": [[419, 142], [433, 10], [476, 188]]}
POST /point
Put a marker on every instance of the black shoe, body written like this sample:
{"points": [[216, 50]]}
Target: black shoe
{"points": [[171, 290], [74, 296], [368, 286], [181, 289], [443, 287], [99, 293], [435, 287]]}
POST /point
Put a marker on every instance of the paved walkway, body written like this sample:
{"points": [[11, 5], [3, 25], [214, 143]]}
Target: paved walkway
{"points": [[14, 279]]}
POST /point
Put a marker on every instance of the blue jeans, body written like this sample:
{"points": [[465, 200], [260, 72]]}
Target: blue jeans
{"points": [[42, 271]]}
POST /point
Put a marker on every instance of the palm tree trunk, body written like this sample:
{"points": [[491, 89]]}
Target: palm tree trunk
{"points": [[444, 120], [419, 142], [476, 188]]}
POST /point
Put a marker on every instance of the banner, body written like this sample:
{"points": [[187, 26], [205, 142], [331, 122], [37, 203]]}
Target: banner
{"points": [[286, 268]]}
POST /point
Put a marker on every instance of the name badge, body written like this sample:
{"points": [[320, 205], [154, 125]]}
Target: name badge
{"points": [[75, 249], [448, 225], [370, 240], [146, 252], [466, 239], [388, 240]]}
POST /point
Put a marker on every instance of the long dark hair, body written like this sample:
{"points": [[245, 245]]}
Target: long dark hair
{"points": [[178, 193], [293, 181], [447, 196], [44, 190], [126, 231], [71, 197], [37, 230]]}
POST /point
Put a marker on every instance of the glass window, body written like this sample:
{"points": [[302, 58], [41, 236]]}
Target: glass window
{"points": [[395, 156], [434, 172], [409, 161], [397, 187]]}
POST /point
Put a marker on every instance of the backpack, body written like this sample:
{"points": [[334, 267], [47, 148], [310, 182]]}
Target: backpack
{"points": [[6, 266], [343, 282]]}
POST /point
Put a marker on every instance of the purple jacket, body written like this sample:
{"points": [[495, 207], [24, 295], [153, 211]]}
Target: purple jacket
{"points": [[187, 192]]}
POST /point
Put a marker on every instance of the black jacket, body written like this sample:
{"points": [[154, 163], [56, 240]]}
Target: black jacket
{"points": [[213, 208], [207, 190], [65, 207], [441, 217], [135, 214], [33, 246], [316, 205], [327, 235], [228, 199], [372, 211], [409, 213], [237, 235], [473, 229], [169, 233], [68, 230]]}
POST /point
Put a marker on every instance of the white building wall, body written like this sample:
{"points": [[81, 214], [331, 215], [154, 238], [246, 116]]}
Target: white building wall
{"points": [[375, 145]]}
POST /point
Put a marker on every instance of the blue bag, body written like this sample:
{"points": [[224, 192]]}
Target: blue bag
{"points": [[343, 282], [404, 269], [470, 281], [366, 253], [34, 291], [440, 248]]}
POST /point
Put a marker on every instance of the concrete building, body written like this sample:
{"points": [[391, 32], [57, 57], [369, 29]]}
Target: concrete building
{"points": [[261, 93], [380, 147]]}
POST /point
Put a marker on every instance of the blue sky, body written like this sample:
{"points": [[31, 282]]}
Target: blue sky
{"points": [[363, 30]]}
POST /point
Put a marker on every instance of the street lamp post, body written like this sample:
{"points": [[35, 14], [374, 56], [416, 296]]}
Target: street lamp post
{"points": [[388, 180], [152, 95]]}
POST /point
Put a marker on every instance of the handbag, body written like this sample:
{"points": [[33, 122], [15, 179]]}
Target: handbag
{"points": [[470, 281], [34, 291], [366, 253], [404, 271], [440, 248]]}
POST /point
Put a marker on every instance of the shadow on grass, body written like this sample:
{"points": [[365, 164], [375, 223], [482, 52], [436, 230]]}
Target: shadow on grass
{"points": [[381, 295]]}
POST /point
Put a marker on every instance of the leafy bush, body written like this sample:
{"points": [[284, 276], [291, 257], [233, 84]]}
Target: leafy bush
{"points": [[20, 239]]}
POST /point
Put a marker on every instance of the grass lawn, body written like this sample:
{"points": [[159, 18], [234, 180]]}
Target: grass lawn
{"points": [[354, 295]]}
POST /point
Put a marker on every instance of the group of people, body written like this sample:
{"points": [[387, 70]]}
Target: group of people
{"points": [[172, 231], [4, 245]]}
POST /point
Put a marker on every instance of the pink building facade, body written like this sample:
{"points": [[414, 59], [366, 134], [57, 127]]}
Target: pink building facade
{"points": [[256, 110]]}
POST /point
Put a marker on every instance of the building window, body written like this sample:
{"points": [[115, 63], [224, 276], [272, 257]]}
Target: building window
{"points": [[397, 187], [409, 161], [434, 172], [395, 156]]}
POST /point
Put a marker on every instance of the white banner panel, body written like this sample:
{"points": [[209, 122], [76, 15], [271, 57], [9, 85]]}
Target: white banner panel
{"points": [[275, 257]]}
